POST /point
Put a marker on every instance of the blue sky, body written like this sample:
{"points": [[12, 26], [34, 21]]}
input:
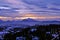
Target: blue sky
{"points": [[36, 9]]}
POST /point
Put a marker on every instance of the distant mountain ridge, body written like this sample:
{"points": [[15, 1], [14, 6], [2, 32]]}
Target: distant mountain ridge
{"points": [[28, 21]]}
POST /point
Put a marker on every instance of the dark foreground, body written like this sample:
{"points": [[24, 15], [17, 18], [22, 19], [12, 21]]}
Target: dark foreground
{"points": [[37, 32]]}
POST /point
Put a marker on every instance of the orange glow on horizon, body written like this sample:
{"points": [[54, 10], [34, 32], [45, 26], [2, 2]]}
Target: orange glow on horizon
{"points": [[35, 16], [25, 16], [5, 18]]}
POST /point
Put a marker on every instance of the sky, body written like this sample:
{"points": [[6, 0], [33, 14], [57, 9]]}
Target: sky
{"points": [[35, 9]]}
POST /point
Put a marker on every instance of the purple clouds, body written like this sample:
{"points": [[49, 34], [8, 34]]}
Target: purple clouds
{"points": [[17, 8]]}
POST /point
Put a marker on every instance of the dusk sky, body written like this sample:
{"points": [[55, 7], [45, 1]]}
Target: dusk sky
{"points": [[35, 9]]}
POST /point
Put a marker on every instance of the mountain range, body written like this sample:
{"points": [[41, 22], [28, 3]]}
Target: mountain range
{"points": [[29, 22]]}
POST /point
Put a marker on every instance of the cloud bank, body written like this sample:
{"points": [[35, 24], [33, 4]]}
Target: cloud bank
{"points": [[40, 9]]}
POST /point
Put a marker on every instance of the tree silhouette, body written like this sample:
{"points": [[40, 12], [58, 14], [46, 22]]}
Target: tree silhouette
{"points": [[40, 32]]}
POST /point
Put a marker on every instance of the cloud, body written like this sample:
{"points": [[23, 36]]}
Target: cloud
{"points": [[5, 8], [5, 18], [18, 8]]}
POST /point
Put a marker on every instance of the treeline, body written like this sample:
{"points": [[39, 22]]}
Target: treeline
{"points": [[40, 31]]}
